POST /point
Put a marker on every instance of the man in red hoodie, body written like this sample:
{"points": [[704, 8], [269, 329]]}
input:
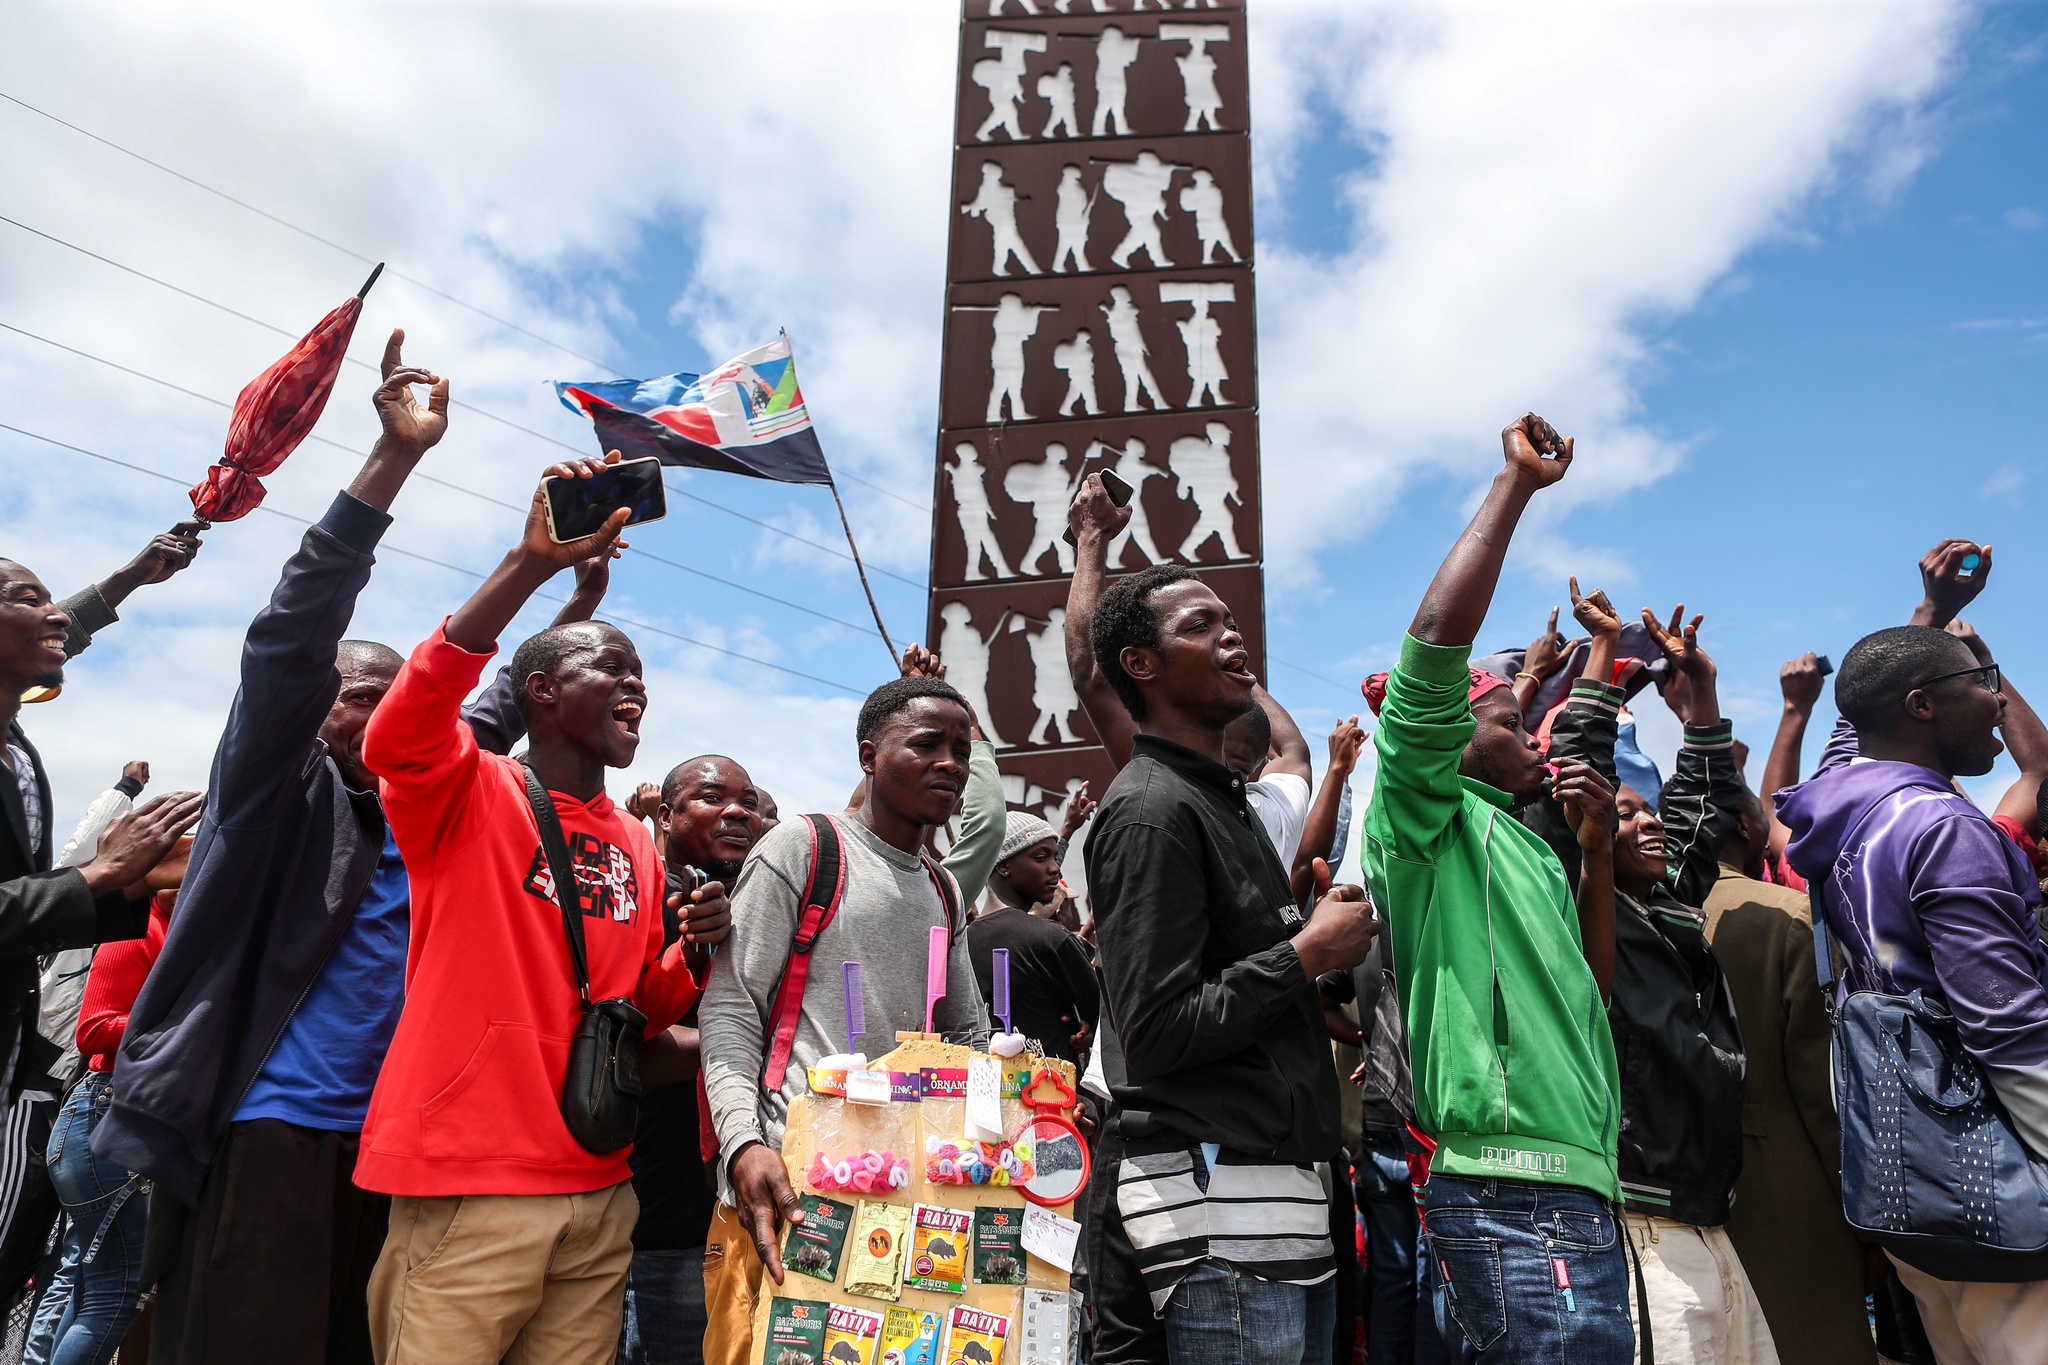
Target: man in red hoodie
{"points": [[508, 1239]]}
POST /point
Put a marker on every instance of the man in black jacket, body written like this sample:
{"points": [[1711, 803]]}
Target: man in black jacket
{"points": [[252, 1049], [1676, 1037], [1226, 1099], [42, 910]]}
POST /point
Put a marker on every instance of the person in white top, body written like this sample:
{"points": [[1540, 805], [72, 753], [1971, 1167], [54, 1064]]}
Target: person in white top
{"points": [[1267, 749]]}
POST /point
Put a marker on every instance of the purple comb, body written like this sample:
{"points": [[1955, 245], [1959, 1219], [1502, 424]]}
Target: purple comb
{"points": [[1000, 958], [935, 972], [856, 1008]]}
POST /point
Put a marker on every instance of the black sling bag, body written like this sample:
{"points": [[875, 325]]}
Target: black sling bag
{"points": [[601, 1089]]}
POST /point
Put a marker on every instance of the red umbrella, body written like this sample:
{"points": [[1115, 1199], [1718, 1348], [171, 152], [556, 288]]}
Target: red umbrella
{"points": [[275, 412]]}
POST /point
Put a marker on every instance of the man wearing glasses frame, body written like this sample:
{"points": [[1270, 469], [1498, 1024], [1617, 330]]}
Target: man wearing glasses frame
{"points": [[1923, 892]]}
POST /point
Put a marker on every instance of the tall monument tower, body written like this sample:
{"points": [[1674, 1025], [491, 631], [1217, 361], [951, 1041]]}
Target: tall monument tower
{"points": [[1099, 314]]}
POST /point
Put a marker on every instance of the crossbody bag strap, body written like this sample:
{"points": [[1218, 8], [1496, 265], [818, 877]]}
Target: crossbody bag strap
{"points": [[562, 871], [1827, 955], [823, 890]]}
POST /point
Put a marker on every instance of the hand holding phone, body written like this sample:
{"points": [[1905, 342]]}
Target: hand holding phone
{"points": [[579, 507], [1119, 494]]}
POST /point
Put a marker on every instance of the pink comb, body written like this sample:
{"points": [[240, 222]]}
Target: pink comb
{"points": [[935, 972]]}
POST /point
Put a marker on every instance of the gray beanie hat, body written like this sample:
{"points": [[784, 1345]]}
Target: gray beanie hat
{"points": [[1025, 829]]}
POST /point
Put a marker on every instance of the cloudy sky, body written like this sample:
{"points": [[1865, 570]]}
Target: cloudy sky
{"points": [[1779, 268]]}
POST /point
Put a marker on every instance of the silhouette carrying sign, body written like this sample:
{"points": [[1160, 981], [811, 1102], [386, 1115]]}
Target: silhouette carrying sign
{"points": [[1099, 315]]}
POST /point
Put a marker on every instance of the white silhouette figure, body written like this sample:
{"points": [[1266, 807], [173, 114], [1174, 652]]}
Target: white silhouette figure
{"points": [[1077, 359], [1132, 469], [1201, 471], [1140, 186], [965, 654], [1043, 486], [1204, 199], [1070, 219], [1056, 801], [1113, 55], [1202, 335], [1052, 684], [1056, 88], [995, 8], [1015, 322], [1128, 337], [996, 205], [977, 518], [1003, 78], [1198, 71]]}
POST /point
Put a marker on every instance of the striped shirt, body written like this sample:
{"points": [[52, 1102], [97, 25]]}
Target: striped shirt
{"points": [[1183, 1204]]}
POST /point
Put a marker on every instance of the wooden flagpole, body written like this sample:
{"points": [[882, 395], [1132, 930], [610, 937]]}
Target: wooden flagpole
{"points": [[861, 569]]}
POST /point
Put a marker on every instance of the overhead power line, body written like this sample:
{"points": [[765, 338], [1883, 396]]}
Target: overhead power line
{"points": [[352, 253], [443, 483], [443, 564], [485, 413]]}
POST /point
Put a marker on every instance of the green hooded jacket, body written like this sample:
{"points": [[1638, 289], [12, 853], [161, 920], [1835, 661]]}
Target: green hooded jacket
{"points": [[1512, 1056]]}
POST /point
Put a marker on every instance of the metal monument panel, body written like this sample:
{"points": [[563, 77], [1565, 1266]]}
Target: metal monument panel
{"points": [[1100, 313]]}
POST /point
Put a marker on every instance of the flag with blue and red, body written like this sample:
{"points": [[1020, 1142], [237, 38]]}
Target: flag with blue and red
{"points": [[745, 417]]}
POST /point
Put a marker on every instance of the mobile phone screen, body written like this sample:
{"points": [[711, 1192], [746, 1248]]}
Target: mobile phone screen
{"points": [[578, 507]]}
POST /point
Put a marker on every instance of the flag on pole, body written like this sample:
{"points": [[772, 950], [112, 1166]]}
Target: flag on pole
{"points": [[745, 417], [276, 411]]}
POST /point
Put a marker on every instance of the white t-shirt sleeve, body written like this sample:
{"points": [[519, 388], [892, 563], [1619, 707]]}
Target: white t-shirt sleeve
{"points": [[1281, 803]]}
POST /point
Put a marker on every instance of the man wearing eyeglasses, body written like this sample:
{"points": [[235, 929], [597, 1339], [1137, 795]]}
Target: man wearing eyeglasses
{"points": [[1922, 892]]}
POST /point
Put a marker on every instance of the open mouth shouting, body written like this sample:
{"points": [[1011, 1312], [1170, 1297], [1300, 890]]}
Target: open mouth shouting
{"points": [[1236, 665], [626, 715]]}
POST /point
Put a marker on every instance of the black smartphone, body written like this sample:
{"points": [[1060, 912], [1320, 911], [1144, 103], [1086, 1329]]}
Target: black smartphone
{"points": [[1119, 493], [1825, 667], [579, 507]]}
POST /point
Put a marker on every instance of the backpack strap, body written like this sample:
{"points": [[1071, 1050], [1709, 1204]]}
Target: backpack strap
{"points": [[949, 896], [823, 890]]}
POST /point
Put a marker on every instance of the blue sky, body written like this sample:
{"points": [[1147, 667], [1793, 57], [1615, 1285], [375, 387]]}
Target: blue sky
{"points": [[1781, 269]]}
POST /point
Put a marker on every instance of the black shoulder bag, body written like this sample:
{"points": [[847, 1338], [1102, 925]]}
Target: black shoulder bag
{"points": [[601, 1089]]}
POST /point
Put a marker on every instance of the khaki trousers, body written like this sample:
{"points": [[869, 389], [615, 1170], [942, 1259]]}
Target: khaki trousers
{"points": [[733, 1276], [530, 1279], [1980, 1324], [1701, 1305]]}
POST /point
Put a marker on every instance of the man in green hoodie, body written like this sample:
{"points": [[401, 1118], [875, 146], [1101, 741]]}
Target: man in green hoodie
{"points": [[1502, 971]]}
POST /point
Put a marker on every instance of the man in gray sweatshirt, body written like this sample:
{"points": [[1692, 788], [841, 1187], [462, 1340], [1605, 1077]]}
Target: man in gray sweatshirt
{"points": [[915, 749]]}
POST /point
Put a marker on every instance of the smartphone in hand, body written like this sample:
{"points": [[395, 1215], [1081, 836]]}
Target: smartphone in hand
{"points": [[579, 507], [1119, 493]]}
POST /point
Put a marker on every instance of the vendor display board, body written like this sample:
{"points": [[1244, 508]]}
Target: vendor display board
{"points": [[936, 1184]]}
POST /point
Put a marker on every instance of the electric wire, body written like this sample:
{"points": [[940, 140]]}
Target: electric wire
{"points": [[485, 413], [353, 254], [443, 564], [444, 483]]}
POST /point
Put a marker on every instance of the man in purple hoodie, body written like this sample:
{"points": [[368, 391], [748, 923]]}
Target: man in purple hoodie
{"points": [[1923, 892]]}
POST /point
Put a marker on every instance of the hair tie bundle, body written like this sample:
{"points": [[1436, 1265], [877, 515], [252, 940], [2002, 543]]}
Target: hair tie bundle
{"points": [[968, 1162], [862, 1172]]}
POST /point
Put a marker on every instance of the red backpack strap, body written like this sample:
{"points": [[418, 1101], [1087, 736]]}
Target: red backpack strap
{"points": [[823, 890]]}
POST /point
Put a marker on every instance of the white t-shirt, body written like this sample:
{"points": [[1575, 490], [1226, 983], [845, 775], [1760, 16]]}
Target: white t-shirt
{"points": [[1280, 800]]}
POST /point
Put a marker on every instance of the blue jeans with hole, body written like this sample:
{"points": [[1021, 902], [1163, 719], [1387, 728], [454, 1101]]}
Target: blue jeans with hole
{"points": [[664, 1321], [98, 1285], [1526, 1273], [1222, 1316]]}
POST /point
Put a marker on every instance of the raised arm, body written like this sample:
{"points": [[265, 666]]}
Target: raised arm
{"points": [[1319, 832], [477, 623], [1096, 521], [1458, 598], [93, 609], [1799, 681], [1950, 581], [1290, 746], [1544, 656], [1702, 803], [288, 675]]}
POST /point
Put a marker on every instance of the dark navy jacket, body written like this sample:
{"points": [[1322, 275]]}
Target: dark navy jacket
{"points": [[279, 866]]}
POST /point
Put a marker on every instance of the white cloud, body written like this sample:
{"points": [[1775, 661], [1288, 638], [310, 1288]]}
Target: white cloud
{"points": [[1547, 182]]}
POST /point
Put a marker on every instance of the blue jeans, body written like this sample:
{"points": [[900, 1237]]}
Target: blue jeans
{"points": [[665, 1319], [97, 1288], [1221, 1316], [1527, 1273], [1403, 1314]]}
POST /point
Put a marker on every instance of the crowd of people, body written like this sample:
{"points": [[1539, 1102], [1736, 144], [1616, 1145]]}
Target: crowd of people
{"points": [[289, 1061]]}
